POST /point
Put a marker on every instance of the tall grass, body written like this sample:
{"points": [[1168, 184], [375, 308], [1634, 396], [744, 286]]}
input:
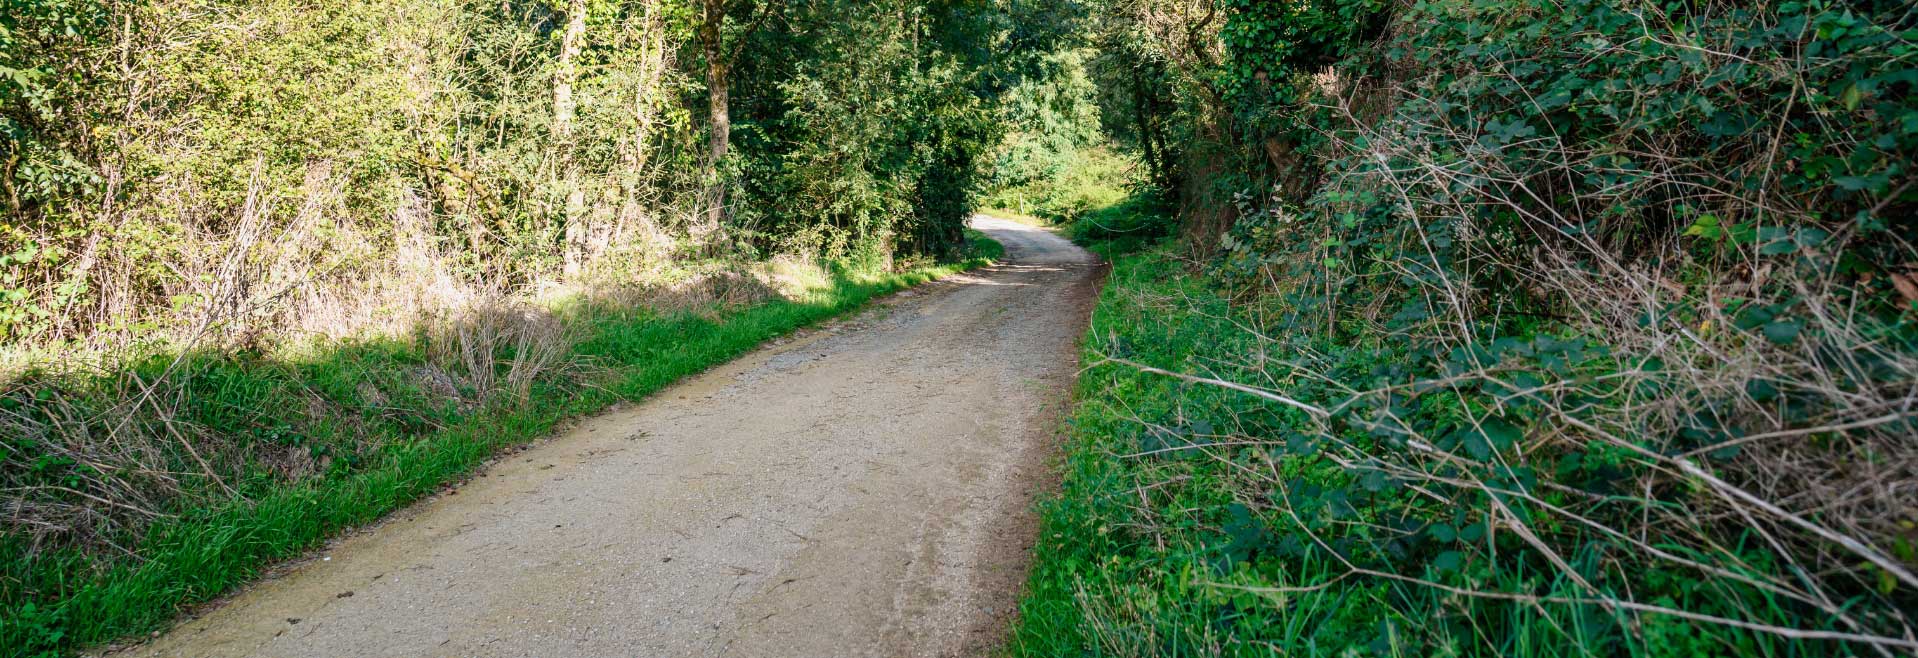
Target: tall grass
{"points": [[265, 456]]}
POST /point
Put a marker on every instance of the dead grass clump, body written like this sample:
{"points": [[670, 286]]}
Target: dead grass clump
{"points": [[81, 464], [704, 290], [494, 349]]}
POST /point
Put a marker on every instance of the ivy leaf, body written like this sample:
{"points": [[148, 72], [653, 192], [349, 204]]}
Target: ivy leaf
{"points": [[1705, 227], [1777, 240], [1784, 332], [1778, 247], [1244, 533], [1876, 182], [1476, 444], [1752, 317], [1851, 97], [1301, 445], [1473, 532], [1493, 435], [1809, 237]]}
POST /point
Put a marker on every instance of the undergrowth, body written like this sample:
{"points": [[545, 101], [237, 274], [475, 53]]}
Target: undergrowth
{"points": [[1199, 520], [289, 450], [1509, 328]]}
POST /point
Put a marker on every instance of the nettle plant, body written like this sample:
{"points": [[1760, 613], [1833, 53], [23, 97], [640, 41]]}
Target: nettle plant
{"points": [[1608, 310]]}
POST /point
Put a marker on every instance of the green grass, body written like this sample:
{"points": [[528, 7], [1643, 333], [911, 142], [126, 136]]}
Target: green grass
{"points": [[62, 600], [1102, 579]]}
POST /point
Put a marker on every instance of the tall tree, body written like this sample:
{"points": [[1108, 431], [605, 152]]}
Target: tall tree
{"points": [[720, 53], [564, 110]]}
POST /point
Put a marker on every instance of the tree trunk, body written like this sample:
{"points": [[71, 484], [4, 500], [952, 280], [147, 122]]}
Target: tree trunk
{"points": [[652, 28], [570, 43], [1142, 118], [719, 107]]}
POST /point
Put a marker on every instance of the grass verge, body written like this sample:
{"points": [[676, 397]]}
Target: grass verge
{"points": [[1099, 583], [57, 601]]}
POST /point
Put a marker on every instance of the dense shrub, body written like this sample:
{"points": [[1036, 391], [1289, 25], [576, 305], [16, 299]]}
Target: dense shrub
{"points": [[262, 166], [1560, 328]]}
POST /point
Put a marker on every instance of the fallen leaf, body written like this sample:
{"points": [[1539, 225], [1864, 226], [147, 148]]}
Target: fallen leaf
{"points": [[1907, 286]]}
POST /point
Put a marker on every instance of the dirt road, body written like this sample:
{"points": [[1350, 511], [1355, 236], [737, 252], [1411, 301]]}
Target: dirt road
{"points": [[864, 489]]}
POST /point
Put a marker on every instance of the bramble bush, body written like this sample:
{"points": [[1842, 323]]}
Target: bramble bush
{"points": [[1557, 328]]}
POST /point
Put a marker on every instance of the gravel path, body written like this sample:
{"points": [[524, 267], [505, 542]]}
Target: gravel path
{"points": [[861, 489]]}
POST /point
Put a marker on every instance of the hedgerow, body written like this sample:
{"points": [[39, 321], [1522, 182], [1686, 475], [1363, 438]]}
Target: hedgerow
{"points": [[1573, 328]]}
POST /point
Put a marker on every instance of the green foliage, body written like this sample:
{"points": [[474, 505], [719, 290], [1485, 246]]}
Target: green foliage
{"points": [[1138, 220], [1090, 178], [1143, 103], [40, 154], [147, 141], [1054, 163], [350, 130], [862, 126], [1272, 46], [1568, 285], [43, 147], [1196, 520], [1053, 116]]}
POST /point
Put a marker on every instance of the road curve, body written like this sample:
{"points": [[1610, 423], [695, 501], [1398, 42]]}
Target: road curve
{"points": [[863, 489]]}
